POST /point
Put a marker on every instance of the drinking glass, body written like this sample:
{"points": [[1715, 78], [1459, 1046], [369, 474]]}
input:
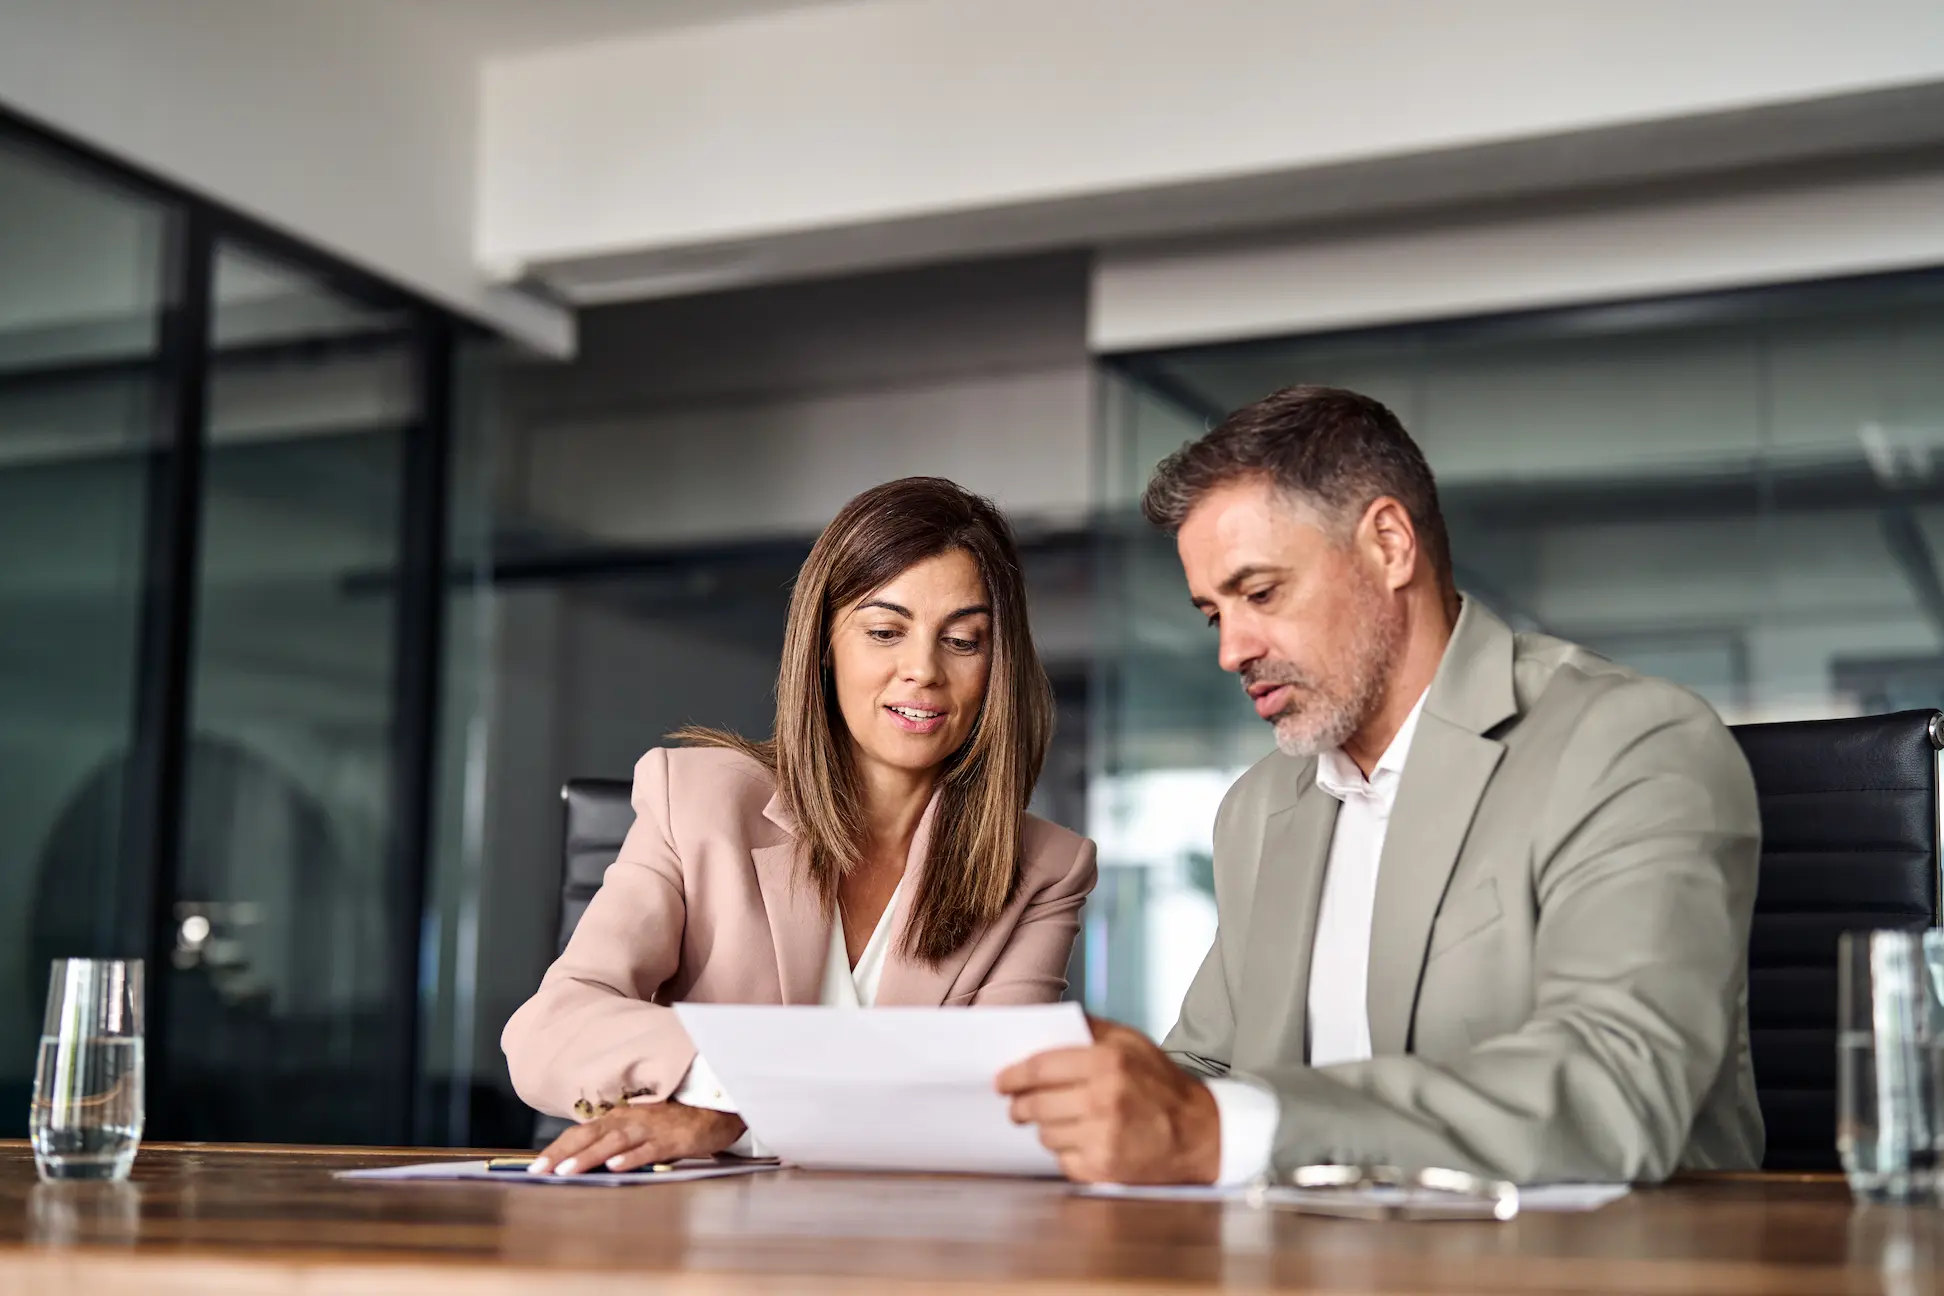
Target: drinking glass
{"points": [[1890, 1063], [87, 1116]]}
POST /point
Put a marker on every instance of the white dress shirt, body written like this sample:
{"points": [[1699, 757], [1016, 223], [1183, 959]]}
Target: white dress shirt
{"points": [[1339, 977], [844, 986]]}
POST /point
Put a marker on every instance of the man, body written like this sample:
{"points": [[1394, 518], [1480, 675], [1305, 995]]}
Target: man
{"points": [[1488, 905]]}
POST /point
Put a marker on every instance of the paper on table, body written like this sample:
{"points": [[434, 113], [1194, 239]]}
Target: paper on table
{"points": [[1562, 1198], [884, 1089], [449, 1171]]}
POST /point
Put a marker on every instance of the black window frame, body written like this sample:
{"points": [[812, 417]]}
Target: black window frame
{"points": [[152, 825]]}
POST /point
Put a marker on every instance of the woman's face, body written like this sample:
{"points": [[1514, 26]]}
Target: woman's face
{"points": [[911, 660]]}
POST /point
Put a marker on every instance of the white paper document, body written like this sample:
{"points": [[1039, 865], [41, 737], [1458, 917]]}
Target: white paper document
{"points": [[1562, 1198], [476, 1171], [884, 1089]]}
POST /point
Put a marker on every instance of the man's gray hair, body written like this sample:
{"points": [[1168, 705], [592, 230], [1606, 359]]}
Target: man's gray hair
{"points": [[1332, 448]]}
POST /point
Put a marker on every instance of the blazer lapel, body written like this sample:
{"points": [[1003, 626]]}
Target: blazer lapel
{"points": [[1427, 828], [1271, 1020], [799, 925], [908, 982], [1445, 774]]}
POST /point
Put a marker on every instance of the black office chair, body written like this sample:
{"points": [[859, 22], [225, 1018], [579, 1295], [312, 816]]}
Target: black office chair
{"points": [[596, 817], [1849, 840]]}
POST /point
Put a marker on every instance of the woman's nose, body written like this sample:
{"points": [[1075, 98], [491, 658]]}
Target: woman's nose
{"points": [[920, 663]]}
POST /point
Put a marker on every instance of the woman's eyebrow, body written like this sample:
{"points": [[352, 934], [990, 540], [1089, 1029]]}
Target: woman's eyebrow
{"points": [[973, 610]]}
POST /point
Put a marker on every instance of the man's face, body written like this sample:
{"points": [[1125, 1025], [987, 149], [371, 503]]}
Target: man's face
{"points": [[1305, 615]]}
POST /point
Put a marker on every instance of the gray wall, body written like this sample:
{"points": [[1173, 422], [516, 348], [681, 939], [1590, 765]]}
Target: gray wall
{"points": [[759, 413]]}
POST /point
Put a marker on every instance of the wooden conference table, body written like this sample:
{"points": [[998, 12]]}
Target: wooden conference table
{"points": [[207, 1218]]}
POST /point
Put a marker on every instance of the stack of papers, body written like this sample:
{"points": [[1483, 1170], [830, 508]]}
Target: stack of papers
{"points": [[888, 1089]]}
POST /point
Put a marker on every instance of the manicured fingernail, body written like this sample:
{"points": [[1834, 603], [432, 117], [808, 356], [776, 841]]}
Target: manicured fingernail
{"points": [[566, 1167], [539, 1166], [614, 1162]]}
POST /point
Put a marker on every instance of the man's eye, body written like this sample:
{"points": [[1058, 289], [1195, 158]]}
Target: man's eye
{"points": [[1261, 596], [1214, 618]]}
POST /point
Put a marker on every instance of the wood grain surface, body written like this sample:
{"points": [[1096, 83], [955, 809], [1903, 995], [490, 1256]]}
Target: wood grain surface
{"points": [[206, 1218]]}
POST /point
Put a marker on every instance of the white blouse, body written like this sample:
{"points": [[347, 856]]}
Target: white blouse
{"points": [[844, 986]]}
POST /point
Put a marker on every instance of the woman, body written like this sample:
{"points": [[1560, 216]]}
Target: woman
{"points": [[876, 851]]}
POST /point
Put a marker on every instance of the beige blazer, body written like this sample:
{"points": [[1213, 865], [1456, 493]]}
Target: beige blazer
{"points": [[1558, 958], [706, 904]]}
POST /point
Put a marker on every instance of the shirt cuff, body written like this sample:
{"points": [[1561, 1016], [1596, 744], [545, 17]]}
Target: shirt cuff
{"points": [[701, 1088], [1249, 1114]]}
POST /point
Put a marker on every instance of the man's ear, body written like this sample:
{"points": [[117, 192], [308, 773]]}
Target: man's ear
{"points": [[1392, 538]]}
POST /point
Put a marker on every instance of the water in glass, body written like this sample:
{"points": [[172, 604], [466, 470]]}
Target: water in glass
{"points": [[1890, 1064], [88, 1107], [1890, 1144], [86, 1121]]}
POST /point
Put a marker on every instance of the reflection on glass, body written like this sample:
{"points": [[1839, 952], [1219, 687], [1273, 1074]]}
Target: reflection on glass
{"points": [[1745, 495], [80, 307], [448, 990], [284, 1017]]}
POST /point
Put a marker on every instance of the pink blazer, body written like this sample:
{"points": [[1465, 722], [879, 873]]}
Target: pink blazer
{"points": [[706, 904]]}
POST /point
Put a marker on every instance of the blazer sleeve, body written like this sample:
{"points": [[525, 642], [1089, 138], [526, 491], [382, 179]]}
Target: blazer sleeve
{"points": [[593, 1031], [1031, 969], [1203, 1038], [1645, 873]]}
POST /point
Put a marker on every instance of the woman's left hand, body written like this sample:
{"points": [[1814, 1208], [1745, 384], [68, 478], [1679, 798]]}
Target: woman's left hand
{"points": [[630, 1137]]}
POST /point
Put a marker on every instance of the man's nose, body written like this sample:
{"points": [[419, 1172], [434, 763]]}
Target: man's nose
{"points": [[1238, 648]]}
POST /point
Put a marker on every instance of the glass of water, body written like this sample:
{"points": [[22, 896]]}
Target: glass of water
{"points": [[87, 1117], [1890, 1063]]}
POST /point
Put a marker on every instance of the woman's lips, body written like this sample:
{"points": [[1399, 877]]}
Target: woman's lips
{"points": [[910, 725]]}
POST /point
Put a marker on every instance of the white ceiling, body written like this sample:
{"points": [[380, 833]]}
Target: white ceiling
{"points": [[487, 28]]}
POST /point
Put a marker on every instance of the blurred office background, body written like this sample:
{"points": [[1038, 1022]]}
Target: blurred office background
{"points": [[408, 405]]}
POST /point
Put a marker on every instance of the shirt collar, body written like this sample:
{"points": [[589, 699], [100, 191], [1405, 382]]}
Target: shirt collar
{"points": [[1338, 775]]}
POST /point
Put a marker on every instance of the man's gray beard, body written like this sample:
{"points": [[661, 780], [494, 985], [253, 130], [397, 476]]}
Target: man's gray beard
{"points": [[1307, 735], [1311, 731]]}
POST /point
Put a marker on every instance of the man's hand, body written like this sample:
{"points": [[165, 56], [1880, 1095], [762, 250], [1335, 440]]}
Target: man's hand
{"points": [[630, 1137], [1118, 1112]]}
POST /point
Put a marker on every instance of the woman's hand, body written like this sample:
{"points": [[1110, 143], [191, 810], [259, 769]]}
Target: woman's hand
{"points": [[629, 1137]]}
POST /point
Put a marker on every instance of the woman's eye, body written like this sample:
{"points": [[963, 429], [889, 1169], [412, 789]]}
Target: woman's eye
{"points": [[962, 645], [882, 634]]}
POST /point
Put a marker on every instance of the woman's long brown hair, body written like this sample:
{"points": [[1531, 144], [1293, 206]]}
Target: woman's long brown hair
{"points": [[974, 861]]}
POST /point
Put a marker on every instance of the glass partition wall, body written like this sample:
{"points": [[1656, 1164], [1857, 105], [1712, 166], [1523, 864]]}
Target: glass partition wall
{"points": [[82, 387], [1743, 493], [222, 513]]}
